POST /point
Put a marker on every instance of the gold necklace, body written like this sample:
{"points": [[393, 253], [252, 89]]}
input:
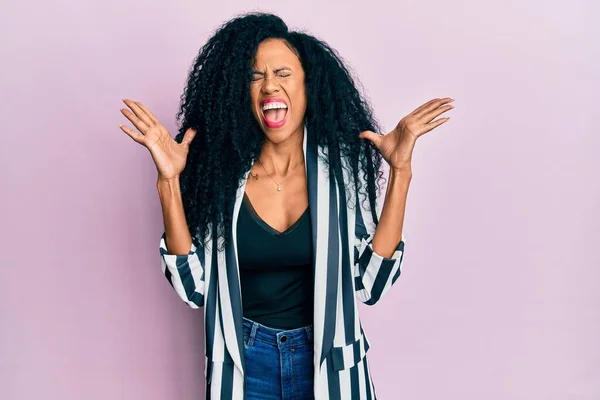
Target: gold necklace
{"points": [[277, 184]]}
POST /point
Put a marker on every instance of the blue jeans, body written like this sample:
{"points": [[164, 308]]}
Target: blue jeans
{"points": [[279, 363]]}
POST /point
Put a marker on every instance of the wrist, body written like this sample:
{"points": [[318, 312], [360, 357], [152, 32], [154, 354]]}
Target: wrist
{"points": [[404, 172], [162, 180], [168, 186], [399, 179]]}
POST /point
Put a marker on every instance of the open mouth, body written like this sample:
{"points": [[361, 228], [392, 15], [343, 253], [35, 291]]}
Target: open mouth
{"points": [[274, 112]]}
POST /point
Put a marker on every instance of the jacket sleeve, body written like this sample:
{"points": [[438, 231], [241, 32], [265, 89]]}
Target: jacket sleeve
{"points": [[185, 273], [374, 274]]}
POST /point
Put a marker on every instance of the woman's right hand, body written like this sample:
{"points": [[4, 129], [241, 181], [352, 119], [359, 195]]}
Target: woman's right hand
{"points": [[168, 155]]}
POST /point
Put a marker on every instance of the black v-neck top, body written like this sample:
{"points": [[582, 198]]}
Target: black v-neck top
{"points": [[275, 270]]}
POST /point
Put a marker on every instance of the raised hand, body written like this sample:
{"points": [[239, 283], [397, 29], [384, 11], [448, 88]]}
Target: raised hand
{"points": [[396, 147], [168, 155]]}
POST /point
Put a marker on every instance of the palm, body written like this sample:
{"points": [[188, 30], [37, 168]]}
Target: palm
{"points": [[390, 147], [168, 155]]}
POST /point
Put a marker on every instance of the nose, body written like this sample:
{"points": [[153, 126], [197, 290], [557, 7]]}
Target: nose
{"points": [[269, 85]]}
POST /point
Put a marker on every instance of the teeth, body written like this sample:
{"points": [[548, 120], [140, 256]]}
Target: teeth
{"points": [[270, 106]]}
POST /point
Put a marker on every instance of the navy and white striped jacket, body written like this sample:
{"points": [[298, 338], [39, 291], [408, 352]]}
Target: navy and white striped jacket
{"points": [[345, 269]]}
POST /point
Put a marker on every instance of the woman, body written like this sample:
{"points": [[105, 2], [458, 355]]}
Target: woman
{"points": [[272, 218]]}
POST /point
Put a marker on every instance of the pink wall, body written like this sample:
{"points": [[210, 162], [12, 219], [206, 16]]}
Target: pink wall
{"points": [[499, 299]]}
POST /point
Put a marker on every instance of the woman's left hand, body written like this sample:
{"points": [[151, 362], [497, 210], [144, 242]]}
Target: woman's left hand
{"points": [[397, 146]]}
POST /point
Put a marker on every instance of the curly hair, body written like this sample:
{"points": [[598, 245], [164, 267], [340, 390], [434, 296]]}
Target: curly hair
{"points": [[216, 102]]}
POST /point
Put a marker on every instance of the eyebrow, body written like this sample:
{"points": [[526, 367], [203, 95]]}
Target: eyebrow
{"points": [[275, 70]]}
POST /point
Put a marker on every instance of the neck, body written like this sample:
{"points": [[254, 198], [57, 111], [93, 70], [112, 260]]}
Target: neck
{"points": [[282, 158]]}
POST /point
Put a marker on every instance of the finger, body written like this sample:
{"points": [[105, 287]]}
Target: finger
{"points": [[422, 106], [430, 116], [148, 113], [138, 112], [435, 124], [138, 123], [372, 137], [136, 136], [188, 137], [432, 105]]}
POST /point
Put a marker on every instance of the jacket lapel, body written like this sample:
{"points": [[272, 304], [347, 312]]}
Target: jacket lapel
{"points": [[230, 294], [323, 202]]}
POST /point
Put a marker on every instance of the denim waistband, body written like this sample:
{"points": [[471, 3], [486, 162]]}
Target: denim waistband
{"points": [[276, 337]]}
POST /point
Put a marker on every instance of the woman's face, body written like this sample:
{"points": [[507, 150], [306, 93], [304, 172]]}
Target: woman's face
{"points": [[277, 91]]}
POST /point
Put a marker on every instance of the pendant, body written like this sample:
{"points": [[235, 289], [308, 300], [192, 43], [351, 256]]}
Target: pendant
{"points": [[278, 188]]}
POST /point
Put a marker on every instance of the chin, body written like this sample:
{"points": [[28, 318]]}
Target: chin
{"points": [[278, 135]]}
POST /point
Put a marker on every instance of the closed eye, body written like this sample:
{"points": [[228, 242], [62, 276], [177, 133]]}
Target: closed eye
{"points": [[280, 72]]}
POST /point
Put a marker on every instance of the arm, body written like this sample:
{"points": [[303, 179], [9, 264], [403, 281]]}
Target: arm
{"points": [[182, 263], [176, 228], [389, 230], [380, 250]]}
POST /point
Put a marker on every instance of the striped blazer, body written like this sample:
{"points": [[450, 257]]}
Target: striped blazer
{"points": [[345, 268]]}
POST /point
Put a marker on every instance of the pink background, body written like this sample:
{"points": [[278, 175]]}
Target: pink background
{"points": [[499, 297]]}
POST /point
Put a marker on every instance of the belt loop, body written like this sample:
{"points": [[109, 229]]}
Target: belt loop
{"points": [[309, 332], [252, 333]]}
